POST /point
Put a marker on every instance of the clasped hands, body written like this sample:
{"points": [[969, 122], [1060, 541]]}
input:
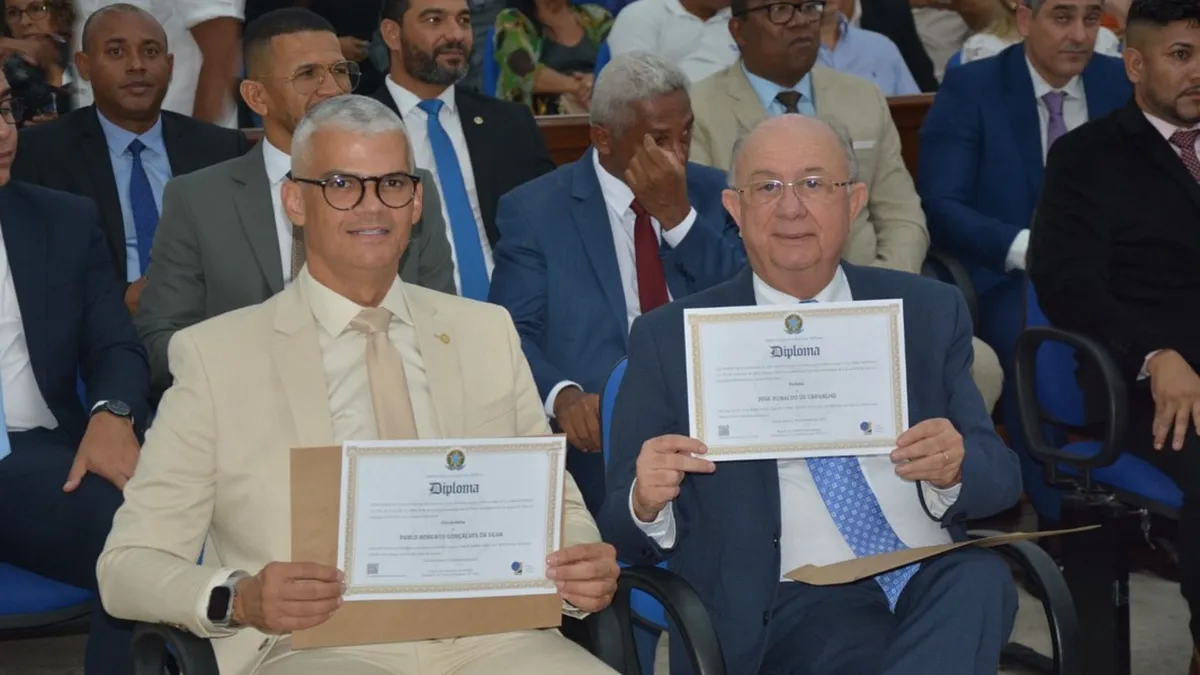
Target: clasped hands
{"points": [[285, 597], [930, 451]]}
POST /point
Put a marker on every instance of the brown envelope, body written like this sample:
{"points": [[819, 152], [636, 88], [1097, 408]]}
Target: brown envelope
{"points": [[862, 568], [316, 495]]}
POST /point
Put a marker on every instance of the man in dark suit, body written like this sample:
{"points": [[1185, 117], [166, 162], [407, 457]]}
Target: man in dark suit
{"points": [[733, 530], [1113, 252], [91, 151], [984, 143], [477, 147], [63, 461], [586, 249]]}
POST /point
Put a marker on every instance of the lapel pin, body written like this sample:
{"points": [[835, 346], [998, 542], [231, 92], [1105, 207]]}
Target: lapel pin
{"points": [[444, 338], [478, 120]]}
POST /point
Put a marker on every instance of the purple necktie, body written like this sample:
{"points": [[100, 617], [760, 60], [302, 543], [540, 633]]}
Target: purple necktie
{"points": [[1057, 126]]}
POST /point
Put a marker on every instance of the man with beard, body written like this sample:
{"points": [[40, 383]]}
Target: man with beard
{"points": [[1113, 253], [129, 145], [224, 241], [477, 147]]}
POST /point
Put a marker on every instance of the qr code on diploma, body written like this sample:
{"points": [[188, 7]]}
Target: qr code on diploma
{"points": [[722, 430], [372, 568]]}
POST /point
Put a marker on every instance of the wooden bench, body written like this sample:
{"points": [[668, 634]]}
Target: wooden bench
{"points": [[568, 136]]}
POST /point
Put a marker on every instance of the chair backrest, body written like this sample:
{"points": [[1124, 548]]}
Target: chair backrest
{"points": [[955, 60], [1059, 394], [491, 68], [603, 56]]}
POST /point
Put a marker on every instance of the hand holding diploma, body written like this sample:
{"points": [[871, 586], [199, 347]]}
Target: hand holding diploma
{"points": [[286, 597], [585, 574], [931, 451], [661, 466]]}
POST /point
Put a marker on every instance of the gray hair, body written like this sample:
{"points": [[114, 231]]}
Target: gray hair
{"points": [[628, 79], [350, 112], [838, 129]]}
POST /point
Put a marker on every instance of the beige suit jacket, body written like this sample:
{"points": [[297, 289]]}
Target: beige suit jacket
{"points": [[249, 386], [890, 231]]}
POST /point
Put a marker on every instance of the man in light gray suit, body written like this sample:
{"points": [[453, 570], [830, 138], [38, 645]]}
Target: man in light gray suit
{"points": [[223, 240]]}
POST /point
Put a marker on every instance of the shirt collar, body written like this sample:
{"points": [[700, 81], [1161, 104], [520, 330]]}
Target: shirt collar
{"points": [[335, 312], [837, 290], [1073, 88], [118, 139], [278, 162], [844, 28], [616, 193], [767, 90], [406, 101], [1166, 128]]}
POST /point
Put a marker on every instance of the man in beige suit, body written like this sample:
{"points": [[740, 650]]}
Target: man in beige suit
{"points": [[254, 383], [775, 76]]}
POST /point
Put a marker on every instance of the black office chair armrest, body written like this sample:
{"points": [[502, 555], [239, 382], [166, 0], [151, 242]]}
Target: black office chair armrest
{"points": [[689, 618], [945, 267], [1033, 420], [155, 643], [1056, 599]]}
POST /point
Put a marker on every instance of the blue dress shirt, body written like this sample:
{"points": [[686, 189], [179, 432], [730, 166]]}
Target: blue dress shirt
{"points": [[767, 91], [871, 56], [158, 170]]}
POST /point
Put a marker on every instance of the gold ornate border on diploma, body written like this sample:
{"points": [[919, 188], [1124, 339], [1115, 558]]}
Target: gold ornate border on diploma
{"points": [[695, 321], [554, 497]]}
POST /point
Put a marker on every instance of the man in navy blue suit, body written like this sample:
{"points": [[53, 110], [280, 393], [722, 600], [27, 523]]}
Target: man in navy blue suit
{"points": [[63, 461], [586, 249], [984, 145], [732, 531]]}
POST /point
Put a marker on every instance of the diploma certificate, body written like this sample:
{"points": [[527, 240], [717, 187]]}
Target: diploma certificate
{"points": [[450, 519], [813, 380]]}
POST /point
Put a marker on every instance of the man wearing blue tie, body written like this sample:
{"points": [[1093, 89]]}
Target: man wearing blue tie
{"points": [[733, 530], [63, 462]]}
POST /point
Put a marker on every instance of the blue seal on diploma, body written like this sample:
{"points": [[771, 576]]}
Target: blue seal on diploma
{"points": [[793, 324], [866, 428], [517, 569], [455, 460]]}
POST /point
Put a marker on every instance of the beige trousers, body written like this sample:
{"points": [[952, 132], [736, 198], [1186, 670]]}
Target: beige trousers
{"points": [[987, 373], [537, 652]]}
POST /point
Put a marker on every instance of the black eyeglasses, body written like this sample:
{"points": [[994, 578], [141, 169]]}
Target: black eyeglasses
{"points": [[36, 12], [344, 192], [782, 13], [12, 112]]}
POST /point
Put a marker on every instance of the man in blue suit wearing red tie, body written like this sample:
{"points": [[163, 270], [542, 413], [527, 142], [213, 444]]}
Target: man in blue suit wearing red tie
{"points": [[586, 249], [984, 145]]}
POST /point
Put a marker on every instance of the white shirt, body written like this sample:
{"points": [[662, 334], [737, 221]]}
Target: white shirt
{"points": [[663, 27], [618, 199], [24, 406], [985, 45], [177, 17], [279, 164], [417, 123], [1075, 114], [942, 32], [808, 534]]}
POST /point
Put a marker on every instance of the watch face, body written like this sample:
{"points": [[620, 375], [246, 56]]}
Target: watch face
{"points": [[119, 408], [218, 603]]}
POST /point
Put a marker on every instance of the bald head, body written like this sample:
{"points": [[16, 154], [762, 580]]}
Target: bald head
{"points": [[114, 14], [826, 147]]}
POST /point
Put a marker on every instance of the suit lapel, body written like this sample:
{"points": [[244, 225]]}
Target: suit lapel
{"points": [[482, 148], [1023, 116], [439, 352], [183, 159], [296, 353], [27, 251], [252, 198], [97, 171], [590, 215], [1158, 149], [385, 97], [747, 108]]}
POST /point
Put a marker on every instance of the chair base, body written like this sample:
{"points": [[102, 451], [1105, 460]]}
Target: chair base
{"points": [[1027, 660]]}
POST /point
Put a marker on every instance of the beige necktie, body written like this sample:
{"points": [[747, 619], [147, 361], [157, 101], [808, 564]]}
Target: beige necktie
{"points": [[297, 250], [385, 369]]}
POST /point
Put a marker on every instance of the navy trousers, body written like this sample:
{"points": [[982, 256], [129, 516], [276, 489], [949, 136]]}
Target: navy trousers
{"points": [[60, 535], [954, 616]]}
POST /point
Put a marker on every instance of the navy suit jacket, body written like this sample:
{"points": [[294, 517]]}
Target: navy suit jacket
{"points": [[728, 523], [980, 167], [72, 308]]}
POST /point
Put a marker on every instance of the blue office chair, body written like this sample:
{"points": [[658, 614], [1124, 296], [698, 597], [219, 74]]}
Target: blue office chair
{"points": [[490, 78], [1079, 480]]}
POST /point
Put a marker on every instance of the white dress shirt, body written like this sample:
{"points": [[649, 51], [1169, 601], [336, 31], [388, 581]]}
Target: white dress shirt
{"points": [[808, 534], [24, 406], [663, 27], [178, 18], [279, 164], [417, 123], [1075, 114], [618, 199]]}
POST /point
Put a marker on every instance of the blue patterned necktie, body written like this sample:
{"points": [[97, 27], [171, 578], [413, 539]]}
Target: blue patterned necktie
{"points": [[141, 202], [468, 251], [859, 517]]}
